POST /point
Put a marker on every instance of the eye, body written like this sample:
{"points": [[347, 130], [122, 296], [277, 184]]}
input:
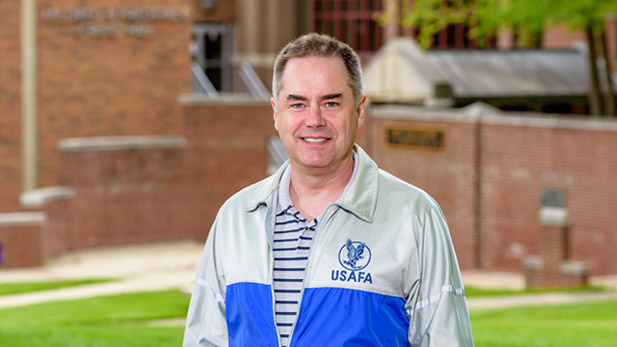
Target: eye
{"points": [[332, 104], [297, 106]]}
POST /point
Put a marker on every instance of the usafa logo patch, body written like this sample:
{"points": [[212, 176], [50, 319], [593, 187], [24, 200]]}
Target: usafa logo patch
{"points": [[353, 256]]}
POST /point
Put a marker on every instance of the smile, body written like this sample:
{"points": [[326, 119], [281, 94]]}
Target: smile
{"points": [[314, 140]]}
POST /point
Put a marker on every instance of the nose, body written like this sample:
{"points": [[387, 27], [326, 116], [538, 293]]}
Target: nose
{"points": [[314, 118]]}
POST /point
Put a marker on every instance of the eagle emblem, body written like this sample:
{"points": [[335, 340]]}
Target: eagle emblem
{"points": [[358, 255]]}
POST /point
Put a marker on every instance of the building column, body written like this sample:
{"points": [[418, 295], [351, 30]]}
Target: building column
{"points": [[248, 27], [391, 29], [29, 95]]}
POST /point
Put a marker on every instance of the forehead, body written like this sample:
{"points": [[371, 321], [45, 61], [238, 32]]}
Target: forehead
{"points": [[314, 71]]}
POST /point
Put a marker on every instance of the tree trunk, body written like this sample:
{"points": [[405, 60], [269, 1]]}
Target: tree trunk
{"points": [[609, 98], [594, 84]]}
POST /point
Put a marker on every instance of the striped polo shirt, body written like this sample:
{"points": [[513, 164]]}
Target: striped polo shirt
{"points": [[293, 237]]}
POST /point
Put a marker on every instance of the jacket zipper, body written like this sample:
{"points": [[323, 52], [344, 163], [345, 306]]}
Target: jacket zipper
{"points": [[320, 226], [278, 334], [271, 243]]}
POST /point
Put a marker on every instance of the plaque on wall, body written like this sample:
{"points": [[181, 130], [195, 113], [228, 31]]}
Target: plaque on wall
{"points": [[413, 137]]}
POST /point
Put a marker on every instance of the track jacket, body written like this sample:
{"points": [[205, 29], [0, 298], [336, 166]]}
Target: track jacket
{"points": [[382, 271]]}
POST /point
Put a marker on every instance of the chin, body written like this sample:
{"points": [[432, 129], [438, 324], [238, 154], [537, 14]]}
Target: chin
{"points": [[313, 162]]}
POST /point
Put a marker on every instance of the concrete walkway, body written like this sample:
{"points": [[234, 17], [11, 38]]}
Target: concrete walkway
{"points": [[537, 299], [501, 280], [137, 268], [173, 265]]}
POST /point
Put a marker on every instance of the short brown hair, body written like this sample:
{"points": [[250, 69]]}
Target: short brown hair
{"points": [[314, 44]]}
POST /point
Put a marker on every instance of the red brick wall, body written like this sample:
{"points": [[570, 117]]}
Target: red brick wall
{"points": [[226, 151], [10, 106], [520, 156], [106, 86], [20, 240], [521, 159], [122, 195]]}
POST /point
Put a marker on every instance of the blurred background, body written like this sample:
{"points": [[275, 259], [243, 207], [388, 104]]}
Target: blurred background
{"points": [[124, 125]]}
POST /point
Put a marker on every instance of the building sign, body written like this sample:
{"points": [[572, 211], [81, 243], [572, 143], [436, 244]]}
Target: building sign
{"points": [[415, 138], [115, 22]]}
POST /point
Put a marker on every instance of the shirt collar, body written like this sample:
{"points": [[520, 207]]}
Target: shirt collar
{"points": [[284, 199], [359, 198]]}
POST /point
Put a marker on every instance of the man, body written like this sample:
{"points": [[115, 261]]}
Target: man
{"points": [[330, 250]]}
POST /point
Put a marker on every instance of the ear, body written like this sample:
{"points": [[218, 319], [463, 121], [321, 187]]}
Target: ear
{"points": [[274, 113], [360, 110]]}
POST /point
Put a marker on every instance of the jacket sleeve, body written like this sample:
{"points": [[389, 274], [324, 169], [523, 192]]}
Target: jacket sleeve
{"points": [[206, 324], [437, 306]]}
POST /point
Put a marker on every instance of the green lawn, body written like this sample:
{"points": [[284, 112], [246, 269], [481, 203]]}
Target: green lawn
{"points": [[584, 324], [471, 291], [126, 320], [24, 287], [114, 321]]}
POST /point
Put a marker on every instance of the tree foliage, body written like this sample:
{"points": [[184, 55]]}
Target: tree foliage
{"points": [[486, 17]]}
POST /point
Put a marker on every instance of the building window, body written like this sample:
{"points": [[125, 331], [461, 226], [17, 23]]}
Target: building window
{"points": [[350, 21], [213, 48]]}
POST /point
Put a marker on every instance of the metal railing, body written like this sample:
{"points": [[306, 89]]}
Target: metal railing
{"points": [[201, 82], [245, 76], [277, 154], [252, 81]]}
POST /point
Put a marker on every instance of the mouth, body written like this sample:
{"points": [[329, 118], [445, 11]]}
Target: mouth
{"points": [[315, 139]]}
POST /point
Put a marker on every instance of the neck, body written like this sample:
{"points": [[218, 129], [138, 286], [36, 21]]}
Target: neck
{"points": [[313, 191]]}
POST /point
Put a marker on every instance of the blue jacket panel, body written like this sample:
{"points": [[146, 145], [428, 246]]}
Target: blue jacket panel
{"points": [[347, 317], [250, 321]]}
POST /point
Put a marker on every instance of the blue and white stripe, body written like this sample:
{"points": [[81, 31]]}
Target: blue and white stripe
{"points": [[293, 237]]}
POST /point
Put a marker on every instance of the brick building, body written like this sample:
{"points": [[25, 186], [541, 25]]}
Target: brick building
{"points": [[107, 145]]}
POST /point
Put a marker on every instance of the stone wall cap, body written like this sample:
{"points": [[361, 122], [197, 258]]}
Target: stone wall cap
{"points": [[416, 112], [533, 262], [486, 114], [22, 218], [110, 143], [577, 268], [39, 197], [222, 99], [554, 217]]}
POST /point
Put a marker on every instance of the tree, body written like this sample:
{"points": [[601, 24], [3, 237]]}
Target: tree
{"points": [[526, 17]]}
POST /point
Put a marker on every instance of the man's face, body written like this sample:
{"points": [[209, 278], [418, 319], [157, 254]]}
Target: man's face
{"points": [[316, 117]]}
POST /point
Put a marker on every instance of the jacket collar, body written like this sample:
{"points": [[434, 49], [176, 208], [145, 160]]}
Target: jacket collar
{"points": [[359, 199]]}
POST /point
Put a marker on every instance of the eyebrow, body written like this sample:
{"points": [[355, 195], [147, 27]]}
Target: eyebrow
{"points": [[293, 97], [332, 96]]}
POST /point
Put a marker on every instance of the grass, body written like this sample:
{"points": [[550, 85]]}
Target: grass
{"points": [[118, 320], [583, 324], [25, 287], [471, 291], [126, 320]]}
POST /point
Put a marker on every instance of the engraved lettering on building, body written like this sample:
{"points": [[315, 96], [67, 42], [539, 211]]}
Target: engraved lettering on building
{"points": [[408, 137], [114, 22]]}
